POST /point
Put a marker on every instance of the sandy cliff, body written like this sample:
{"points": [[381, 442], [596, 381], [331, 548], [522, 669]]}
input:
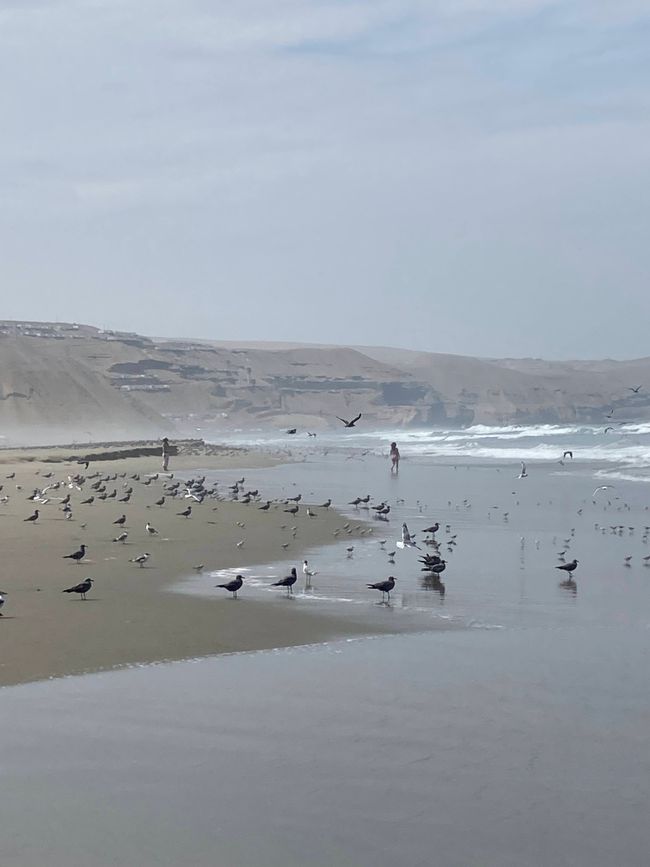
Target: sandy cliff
{"points": [[62, 382]]}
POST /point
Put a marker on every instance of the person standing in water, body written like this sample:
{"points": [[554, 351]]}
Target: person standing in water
{"points": [[394, 458], [165, 454]]}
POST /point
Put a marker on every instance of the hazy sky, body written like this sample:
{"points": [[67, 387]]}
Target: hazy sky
{"points": [[449, 175]]}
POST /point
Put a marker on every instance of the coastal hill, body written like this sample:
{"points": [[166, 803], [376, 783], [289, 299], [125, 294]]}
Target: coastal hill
{"points": [[65, 381]]}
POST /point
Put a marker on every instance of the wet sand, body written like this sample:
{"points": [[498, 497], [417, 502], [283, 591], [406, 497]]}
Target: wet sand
{"points": [[129, 616]]}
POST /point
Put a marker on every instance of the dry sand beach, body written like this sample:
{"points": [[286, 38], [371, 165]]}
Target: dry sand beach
{"points": [[129, 617]]}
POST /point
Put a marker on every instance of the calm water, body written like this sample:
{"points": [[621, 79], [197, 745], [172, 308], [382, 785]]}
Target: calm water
{"points": [[518, 737]]}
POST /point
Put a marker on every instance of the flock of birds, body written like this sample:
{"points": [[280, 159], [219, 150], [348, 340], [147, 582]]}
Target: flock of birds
{"points": [[94, 488]]}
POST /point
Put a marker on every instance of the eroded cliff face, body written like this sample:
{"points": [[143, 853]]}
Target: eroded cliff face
{"points": [[75, 382]]}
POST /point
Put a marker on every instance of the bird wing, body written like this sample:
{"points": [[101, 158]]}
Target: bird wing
{"points": [[355, 420], [342, 419]]}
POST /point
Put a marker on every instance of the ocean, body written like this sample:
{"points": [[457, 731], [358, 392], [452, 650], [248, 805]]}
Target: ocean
{"points": [[504, 722]]}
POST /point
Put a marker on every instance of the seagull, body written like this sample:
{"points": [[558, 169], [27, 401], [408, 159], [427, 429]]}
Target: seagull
{"points": [[287, 582], [601, 488], [292, 430], [567, 454], [3, 593], [308, 573], [384, 587], [185, 513], [607, 429], [350, 423], [32, 518], [432, 529], [121, 521], [232, 586], [81, 589], [326, 504], [265, 507], [635, 389], [121, 538], [77, 556], [160, 502], [151, 530], [140, 559], [568, 567], [523, 474], [407, 541], [311, 514], [88, 502], [199, 567], [240, 544]]}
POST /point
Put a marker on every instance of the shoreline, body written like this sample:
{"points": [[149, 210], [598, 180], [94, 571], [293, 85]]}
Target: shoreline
{"points": [[132, 616]]}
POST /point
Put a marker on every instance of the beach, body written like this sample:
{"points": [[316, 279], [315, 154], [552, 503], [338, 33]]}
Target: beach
{"points": [[494, 718], [129, 617]]}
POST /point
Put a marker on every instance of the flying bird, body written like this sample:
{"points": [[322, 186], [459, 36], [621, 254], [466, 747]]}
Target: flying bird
{"points": [[350, 423], [601, 488], [292, 430], [81, 589], [406, 541], [636, 389], [567, 454], [232, 586]]}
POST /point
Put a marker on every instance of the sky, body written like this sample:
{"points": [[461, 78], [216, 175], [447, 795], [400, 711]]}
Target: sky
{"points": [[444, 175]]}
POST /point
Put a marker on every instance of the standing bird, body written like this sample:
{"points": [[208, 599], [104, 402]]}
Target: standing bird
{"points": [[3, 593], [77, 556], [121, 538], [432, 529], [160, 502], [185, 513], [326, 504], [151, 530], [350, 423], [32, 518], [523, 474], [81, 589], [141, 559], [232, 586], [568, 567], [384, 587], [120, 521], [287, 582], [308, 573]]}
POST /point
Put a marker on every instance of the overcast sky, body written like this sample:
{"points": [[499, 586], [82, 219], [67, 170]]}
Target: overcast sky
{"points": [[465, 176]]}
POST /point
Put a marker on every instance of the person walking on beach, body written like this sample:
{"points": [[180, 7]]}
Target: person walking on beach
{"points": [[165, 454], [394, 458]]}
